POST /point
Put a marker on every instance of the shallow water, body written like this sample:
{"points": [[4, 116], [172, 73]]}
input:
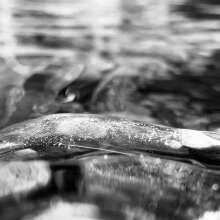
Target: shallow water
{"points": [[167, 53]]}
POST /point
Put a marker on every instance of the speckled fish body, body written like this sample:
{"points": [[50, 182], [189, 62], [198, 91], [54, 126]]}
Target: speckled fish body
{"points": [[64, 133]]}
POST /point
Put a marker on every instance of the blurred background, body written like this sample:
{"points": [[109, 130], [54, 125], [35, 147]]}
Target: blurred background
{"points": [[157, 61], [169, 48]]}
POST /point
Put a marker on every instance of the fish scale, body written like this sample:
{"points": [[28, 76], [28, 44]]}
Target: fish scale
{"points": [[73, 133]]}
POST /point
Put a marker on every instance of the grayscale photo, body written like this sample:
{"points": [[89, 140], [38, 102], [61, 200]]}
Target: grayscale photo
{"points": [[110, 109]]}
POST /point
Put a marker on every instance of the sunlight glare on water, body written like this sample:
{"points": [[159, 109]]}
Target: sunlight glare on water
{"points": [[153, 45]]}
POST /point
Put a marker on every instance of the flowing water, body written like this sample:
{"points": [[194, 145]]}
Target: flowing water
{"points": [[167, 58]]}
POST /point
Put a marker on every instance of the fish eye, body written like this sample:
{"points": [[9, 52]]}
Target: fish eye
{"points": [[67, 96], [70, 97]]}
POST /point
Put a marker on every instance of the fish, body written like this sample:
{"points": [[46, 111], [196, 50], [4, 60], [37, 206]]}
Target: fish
{"points": [[79, 90], [35, 96], [68, 133]]}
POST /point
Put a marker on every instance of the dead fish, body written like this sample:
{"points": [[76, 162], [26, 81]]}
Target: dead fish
{"points": [[59, 134], [80, 90], [36, 97]]}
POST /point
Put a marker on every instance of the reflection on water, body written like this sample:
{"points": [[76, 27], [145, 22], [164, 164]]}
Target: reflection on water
{"points": [[109, 187], [155, 38], [61, 28], [154, 189], [84, 29]]}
